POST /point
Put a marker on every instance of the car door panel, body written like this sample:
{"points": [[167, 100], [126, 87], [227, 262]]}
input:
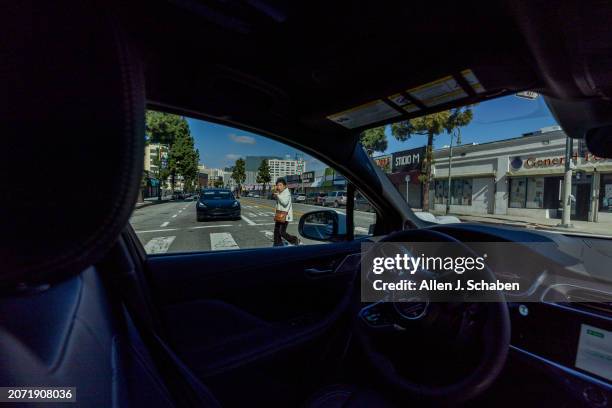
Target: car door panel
{"points": [[222, 310]]}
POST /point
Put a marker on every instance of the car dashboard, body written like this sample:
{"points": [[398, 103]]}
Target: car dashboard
{"points": [[562, 318]]}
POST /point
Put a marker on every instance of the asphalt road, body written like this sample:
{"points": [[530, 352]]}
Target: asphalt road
{"points": [[171, 226]]}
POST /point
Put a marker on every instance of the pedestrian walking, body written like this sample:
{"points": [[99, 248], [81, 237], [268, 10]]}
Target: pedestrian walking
{"points": [[283, 215]]}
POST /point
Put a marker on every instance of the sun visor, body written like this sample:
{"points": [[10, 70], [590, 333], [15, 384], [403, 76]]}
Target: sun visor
{"points": [[439, 94]]}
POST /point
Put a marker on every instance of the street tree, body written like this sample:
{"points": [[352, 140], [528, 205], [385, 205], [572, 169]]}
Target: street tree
{"points": [[163, 129], [374, 140], [431, 125], [263, 175], [239, 173], [183, 159]]}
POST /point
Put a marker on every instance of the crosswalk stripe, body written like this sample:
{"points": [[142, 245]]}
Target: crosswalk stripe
{"points": [[211, 226], [222, 240], [248, 221], [157, 230], [164, 224], [361, 229], [269, 234], [159, 245], [252, 214]]}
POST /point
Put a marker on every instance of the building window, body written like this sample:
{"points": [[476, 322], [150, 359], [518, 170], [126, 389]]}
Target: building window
{"points": [[605, 192], [526, 192], [535, 192], [461, 191]]}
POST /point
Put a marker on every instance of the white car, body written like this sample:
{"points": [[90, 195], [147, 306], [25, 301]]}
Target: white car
{"points": [[335, 199]]}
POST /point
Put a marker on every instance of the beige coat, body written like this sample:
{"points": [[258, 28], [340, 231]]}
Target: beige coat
{"points": [[283, 203]]}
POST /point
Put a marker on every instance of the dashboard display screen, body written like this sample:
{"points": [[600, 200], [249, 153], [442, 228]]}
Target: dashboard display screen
{"points": [[595, 351]]}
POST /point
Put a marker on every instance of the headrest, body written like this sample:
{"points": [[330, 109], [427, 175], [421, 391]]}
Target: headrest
{"points": [[71, 138]]}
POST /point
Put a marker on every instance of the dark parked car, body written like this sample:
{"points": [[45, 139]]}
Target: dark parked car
{"points": [[311, 198], [217, 203]]}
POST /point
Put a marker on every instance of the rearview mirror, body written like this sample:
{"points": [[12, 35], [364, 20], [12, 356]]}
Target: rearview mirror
{"points": [[323, 225], [598, 141]]}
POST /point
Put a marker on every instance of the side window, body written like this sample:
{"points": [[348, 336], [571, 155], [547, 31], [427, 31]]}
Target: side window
{"points": [[207, 187], [364, 217]]}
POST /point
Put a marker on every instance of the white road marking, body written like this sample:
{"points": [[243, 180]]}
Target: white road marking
{"points": [[159, 245], [222, 240], [164, 224], [265, 223], [180, 211], [212, 226], [157, 230], [269, 234], [252, 214], [248, 221], [174, 216], [361, 229]]}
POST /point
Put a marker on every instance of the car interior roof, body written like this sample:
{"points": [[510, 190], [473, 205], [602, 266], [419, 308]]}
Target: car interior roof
{"points": [[280, 68]]}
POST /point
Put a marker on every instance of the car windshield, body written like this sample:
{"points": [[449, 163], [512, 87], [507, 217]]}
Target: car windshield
{"points": [[216, 195], [505, 161]]}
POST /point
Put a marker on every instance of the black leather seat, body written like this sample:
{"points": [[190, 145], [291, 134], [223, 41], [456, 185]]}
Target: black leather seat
{"points": [[72, 123]]}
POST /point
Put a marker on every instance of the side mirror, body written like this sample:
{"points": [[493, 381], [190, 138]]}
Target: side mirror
{"points": [[324, 225]]}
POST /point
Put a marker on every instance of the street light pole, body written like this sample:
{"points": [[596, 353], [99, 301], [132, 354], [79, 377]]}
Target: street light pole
{"points": [[567, 184]]}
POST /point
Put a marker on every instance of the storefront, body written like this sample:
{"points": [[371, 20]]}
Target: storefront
{"points": [[522, 177], [404, 169]]}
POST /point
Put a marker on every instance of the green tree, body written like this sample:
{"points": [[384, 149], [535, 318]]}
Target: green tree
{"points": [[431, 125], [183, 159], [164, 129], [239, 173], [263, 175], [374, 140]]}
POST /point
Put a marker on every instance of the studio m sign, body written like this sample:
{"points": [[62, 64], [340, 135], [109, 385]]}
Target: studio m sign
{"points": [[408, 160]]}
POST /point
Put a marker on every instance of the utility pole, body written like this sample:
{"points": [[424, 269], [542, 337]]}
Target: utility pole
{"points": [[450, 166], [566, 199]]}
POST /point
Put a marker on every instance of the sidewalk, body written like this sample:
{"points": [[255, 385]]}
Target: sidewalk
{"points": [[151, 201], [580, 227]]}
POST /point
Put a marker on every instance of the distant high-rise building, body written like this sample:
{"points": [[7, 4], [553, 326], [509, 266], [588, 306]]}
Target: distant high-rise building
{"points": [[283, 167]]}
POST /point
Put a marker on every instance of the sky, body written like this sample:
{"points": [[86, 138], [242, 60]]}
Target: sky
{"points": [[497, 119]]}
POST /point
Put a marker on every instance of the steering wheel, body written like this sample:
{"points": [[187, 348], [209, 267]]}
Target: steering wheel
{"points": [[493, 327]]}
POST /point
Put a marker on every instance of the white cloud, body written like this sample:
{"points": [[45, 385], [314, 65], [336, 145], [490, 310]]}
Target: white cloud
{"points": [[242, 138]]}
